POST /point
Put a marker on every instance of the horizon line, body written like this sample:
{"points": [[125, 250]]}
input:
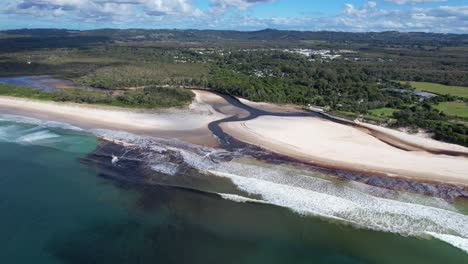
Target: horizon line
{"points": [[236, 30]]}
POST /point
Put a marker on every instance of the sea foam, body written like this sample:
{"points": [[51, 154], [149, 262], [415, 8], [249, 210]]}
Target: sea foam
{"points": [[356, 207], [459, 242], [37, 136], [21, 135], [38, 122]]}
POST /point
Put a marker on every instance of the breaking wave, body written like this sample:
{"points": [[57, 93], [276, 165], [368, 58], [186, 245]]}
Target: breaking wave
{"points": [[25, 135], [459, 242], [37, 122], [30, 131], [37, 136]]}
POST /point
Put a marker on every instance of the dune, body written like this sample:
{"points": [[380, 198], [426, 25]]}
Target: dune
{"points": [[412, 141], [325, 143]]}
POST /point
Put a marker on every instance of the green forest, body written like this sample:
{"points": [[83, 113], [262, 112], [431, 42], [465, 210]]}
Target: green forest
{"points": [[150, 97]]}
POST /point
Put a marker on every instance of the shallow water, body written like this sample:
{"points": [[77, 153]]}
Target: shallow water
{"points": [[43, 83], [57, 210]]}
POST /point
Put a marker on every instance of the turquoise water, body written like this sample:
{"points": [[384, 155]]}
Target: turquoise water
{"points": [[57, 210]]}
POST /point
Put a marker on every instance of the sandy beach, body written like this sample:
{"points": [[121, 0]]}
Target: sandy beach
{"points": [[326, 143], [189, 124], [360, 147]]}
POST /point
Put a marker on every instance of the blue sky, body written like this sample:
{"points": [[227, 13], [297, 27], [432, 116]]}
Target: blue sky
{"points": [[339, 15]]}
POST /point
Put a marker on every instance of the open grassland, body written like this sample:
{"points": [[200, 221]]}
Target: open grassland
{"points": [[140, 75], [441, 89], [457, 109], [385, 111], [110, 67]]}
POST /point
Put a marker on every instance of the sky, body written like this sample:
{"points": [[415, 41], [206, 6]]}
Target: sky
{"points": [[443, 16]]}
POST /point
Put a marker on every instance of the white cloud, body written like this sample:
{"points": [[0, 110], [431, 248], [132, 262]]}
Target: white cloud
{"points": [[371, 18], [220, 6], [104, 9], [405, 2], [349, 9]]}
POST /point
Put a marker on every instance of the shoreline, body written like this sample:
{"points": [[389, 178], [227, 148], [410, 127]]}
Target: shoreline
{"points": [[354, 148], [189, 123]]}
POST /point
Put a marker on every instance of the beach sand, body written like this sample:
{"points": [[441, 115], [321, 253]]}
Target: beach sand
{"points": [[189, 124], [410, 141], [330, 144]]}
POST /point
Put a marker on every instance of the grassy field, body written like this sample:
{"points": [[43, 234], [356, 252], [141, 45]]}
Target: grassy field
{"points": [[374, 118], [458, 109], [441, 89], [388, 112]]}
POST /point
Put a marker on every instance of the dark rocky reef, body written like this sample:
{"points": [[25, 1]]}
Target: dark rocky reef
{"points": [[136, 166]]}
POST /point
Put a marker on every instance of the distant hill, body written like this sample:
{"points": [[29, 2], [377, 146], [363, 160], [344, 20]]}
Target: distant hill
{"points": [[52, 38]]}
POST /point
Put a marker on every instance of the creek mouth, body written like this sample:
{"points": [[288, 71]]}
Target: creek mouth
{"points": [[227, 142], [237, 148]]}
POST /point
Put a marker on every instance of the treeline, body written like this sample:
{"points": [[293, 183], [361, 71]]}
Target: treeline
{"points": [[289, 78], [447, 68], [426, 117], [151, 97]]}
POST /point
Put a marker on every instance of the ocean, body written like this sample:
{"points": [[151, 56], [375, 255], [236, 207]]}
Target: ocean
{"points": [[63, 201]]}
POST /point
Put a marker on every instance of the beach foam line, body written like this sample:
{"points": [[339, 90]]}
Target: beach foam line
{"points": [[299, 200], [38, 122], [358, 208], [37, 136], [240, 199], [456, 241], [16, 133]]}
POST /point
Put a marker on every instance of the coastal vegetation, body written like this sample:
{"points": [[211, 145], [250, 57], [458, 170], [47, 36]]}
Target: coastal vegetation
{"points": [[432, 120], [151, 97]]}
